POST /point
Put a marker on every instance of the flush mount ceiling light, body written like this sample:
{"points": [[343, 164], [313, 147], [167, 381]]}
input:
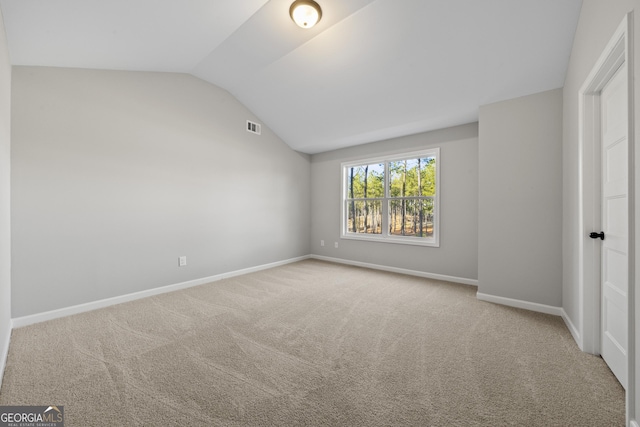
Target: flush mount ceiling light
{"points": [[305, 13]]}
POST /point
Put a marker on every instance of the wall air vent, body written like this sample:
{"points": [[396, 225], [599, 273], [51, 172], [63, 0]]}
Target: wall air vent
{"points": [[253, 127]]}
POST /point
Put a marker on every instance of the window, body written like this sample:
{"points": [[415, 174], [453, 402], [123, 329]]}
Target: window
{"points": [[392, 199]]}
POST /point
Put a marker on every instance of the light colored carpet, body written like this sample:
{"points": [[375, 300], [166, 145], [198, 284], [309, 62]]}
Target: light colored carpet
{"points": [[312, 344]]}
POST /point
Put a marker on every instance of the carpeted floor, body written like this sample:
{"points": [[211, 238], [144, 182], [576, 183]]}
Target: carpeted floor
{"points": [[312, 344]]}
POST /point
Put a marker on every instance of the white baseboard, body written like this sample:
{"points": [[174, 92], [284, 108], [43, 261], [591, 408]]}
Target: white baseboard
{"points": [[462, 280], [4, 352], [572, 328], [532, 306], [94, 305]]}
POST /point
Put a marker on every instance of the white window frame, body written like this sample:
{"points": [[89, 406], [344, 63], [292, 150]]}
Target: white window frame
{"points": [[385, 236]]}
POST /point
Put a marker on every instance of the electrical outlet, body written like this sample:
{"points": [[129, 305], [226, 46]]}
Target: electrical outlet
{"points": [[335, 244], [182, 261], [321, 242]]}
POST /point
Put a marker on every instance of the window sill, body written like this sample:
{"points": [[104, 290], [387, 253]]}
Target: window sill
{"points": [[414, 241]]}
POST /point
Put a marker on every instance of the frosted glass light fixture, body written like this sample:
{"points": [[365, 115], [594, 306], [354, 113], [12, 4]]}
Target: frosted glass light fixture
{"points": [[305, 13]]}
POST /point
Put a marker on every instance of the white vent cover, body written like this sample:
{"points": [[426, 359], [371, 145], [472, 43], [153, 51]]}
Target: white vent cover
{"points": [[253, 127]]}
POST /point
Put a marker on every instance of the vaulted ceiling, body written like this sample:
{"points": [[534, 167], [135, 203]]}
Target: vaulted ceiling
{"points": [[370, 70]]}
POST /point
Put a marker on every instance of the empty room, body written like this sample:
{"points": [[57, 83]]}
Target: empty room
{"points": [[319, 213]]}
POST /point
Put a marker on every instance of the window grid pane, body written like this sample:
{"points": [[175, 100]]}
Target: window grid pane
{"points": [[364, 217], [411, 217], [412, 177], [365, 181]]}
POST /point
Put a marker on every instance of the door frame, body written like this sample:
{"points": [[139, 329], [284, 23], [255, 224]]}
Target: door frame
{"points": [[618, 53]]}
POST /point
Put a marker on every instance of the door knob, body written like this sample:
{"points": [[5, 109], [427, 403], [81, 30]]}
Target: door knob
{"points": [[595, 235]]}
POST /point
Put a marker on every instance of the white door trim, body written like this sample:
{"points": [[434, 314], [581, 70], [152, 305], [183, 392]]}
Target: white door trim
{"points": [[618, 53]]}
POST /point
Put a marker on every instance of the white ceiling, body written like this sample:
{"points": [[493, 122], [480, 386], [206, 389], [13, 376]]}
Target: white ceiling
{"points": [[370, 70]]}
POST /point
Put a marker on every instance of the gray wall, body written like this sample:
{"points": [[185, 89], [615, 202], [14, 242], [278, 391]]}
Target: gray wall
{"points": [[598, 22], [457, 255], [116, 174], [520, 214], [5, 224]]}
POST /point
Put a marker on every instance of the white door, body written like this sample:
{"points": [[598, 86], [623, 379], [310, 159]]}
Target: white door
{"points": [[615, 225]]}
